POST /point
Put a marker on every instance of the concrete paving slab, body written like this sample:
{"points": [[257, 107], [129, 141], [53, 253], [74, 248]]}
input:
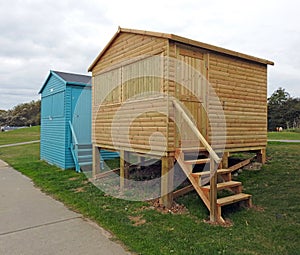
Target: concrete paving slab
{"points": [[73, 236], [34, 223], [22, 205]]}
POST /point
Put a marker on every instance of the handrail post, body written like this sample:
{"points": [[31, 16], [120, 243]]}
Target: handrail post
{"points": [[213, 191]]}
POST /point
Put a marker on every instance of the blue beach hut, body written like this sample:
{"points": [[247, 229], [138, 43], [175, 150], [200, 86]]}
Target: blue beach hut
{"points": [[66, 121]]}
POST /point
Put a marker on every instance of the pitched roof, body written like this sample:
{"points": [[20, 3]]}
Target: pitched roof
{"points": [[74, 78], [69, 78], [180, 39]]}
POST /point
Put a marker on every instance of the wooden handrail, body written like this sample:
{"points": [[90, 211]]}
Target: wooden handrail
{"points": [[210, 150], [74, 147]]}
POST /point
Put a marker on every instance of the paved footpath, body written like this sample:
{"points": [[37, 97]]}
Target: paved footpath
{"points": [[34, 223], [16, 144], [285, 141]]}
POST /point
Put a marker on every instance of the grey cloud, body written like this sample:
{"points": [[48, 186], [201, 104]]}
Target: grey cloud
{"points": [[36, 36]]}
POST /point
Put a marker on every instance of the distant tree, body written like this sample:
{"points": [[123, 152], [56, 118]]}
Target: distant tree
{"points": [[22, 115], [292, 114], [283, 110], [3, 116], [279, 97]]}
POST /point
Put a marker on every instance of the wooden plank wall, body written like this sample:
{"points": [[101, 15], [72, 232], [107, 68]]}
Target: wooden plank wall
{"points": [[240, 85], [242, 88], [129, 55], [128, 46], [133, 127]]}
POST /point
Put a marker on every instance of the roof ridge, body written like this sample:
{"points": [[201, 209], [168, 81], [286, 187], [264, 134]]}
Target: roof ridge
{"points": [[69, 73], [184, 40]]}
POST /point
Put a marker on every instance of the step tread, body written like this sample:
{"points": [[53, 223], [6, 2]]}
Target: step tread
{"points": [[233, 199], [84, 156], [224, 185], [197, 161], [219, 171], [85, 146], [85, 163], [85, 149]]}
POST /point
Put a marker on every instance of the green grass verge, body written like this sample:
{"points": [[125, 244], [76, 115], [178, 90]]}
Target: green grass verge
{"points": [[20, 135], [271, 227], [284, 135]]}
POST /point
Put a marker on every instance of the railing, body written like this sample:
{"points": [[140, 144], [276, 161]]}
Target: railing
{"points": [[214, 161], [74, 147], [206, 145]]}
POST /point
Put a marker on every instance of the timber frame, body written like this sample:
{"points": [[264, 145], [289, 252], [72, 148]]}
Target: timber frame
{"points": [[239, 80]]}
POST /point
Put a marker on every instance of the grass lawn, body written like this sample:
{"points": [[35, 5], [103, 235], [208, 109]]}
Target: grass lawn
{"points": [[20, 135], [271, 227], [284, 135]]}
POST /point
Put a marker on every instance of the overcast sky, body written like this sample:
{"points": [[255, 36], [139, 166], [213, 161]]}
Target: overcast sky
{"points": [[41, 35]]}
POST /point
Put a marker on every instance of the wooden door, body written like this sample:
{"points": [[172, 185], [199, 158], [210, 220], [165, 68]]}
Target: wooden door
{"points": [[81, 114], [191, 90]]}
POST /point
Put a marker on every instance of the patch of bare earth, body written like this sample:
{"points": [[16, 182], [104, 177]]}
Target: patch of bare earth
{"points": [[258, 208], [254, 166], [137, 220], [79, 189], [228, 223], [175, 208], [73, 179]]}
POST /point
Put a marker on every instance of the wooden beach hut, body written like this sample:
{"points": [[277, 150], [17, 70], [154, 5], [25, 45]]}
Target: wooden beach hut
{"points": [[141, 86]]}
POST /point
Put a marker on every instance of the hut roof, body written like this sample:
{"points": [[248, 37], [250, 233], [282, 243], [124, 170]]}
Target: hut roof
{"points": [[72, 77], [180, 39], [69, 78]]}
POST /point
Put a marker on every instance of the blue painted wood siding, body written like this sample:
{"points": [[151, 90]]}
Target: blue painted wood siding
{"points": [[69, 162], [53, 119], [60, 104]]}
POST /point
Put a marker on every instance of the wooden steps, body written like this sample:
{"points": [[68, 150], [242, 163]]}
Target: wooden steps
{"points": [[234, 199], [224, 185], [204, 177], [200, 182], [219, 171]]}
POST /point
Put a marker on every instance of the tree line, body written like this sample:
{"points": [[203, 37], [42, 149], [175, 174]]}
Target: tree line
{"points": [[26, 114], [283, 110]]}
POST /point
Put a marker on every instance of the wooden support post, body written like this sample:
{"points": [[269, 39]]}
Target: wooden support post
{"points": [[141, 162], [225, 159], [167, 178], [213, 192], [261, 156], [96, 161], [124, 168]]}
